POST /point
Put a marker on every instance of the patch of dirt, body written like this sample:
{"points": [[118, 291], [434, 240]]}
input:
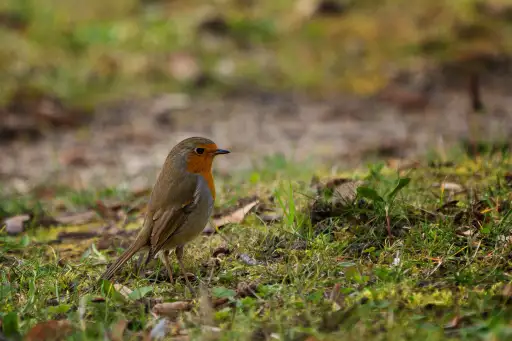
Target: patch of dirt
{"points": [[129, 141]]}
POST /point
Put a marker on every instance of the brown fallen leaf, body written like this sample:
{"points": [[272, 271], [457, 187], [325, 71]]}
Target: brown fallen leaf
{"points": [[98, 300], [123, 290], [346, 192], [115, 238], [220, 251], [402, 165], [468, 232], [52, 330], [15, 225], [171, 309], [77, 218], [219, 302], [454, 323], [507, 290], [107, 212], [342, 189], [450, 187], [76, 235], [244, 289], [122, 238], [231, 216], [117, 331], [333, 197]]}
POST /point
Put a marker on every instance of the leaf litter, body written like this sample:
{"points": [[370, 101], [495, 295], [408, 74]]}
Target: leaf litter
{"points": [[233, 215], [52, 330]]}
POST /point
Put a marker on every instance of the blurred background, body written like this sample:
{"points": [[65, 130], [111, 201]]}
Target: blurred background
{"points": [[97, 92]]}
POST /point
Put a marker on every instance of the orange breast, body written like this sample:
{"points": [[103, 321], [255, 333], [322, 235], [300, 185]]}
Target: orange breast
{"points": [[202, 165]]}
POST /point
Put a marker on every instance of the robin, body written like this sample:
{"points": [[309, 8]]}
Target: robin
{"points": [[179, 207]]}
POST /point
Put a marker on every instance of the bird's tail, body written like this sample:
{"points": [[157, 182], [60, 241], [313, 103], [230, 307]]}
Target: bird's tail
{"points": [[112, 269]]}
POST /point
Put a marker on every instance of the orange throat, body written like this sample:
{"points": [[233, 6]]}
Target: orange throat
{"points": [[203, 167]]}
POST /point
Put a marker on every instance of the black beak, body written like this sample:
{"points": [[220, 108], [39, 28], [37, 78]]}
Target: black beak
{"points": [[221, 151]]}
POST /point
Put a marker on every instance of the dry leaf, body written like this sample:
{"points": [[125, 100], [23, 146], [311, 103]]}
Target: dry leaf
{"points": [[14, 225], [220, 301], [402, 165], [98, 299], [468, 232], [221, 251], [450, 186], [77, 218], [171, 308], [125, 291], [233, 217], [244, 289], [118, 330], [507, 290], [108, 213], [343, 190], [346, 192], [76, 235], [50, 330], [454, 323]]}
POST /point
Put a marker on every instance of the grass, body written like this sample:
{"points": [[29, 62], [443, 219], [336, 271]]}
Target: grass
{"points": [[445, 274], [99, 51]]}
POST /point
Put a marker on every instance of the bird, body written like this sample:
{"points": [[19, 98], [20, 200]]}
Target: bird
{"points": [[179, 205]]}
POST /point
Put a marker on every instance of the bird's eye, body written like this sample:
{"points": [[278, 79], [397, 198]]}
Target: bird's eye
{"points": [[199, 151]]}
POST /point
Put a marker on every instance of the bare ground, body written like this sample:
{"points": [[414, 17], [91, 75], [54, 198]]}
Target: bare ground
{"points": [[127, 142]]}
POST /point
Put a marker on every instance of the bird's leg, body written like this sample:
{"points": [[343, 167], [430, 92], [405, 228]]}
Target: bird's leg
{"points": [[164, 257], [143, 267], [139, 266], [179, 256]]}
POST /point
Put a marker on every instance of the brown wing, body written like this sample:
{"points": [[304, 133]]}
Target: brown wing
{"points": [[167, 220]]}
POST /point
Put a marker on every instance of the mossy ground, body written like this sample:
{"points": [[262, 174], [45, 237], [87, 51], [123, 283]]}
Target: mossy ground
{"points": [[443, 275]]}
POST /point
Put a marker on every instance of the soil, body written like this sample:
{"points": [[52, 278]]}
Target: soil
{"points": [[126, 143]]}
